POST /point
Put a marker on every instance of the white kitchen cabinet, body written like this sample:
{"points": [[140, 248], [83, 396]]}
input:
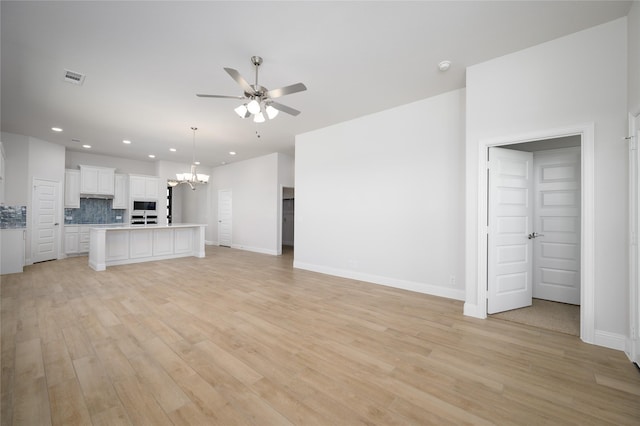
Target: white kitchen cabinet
{"points": [[183, 242], [97, 180], [162, 242], [141, 244], [83, 239], [76, 239], [143, 188], [72, 189], [116, 246], [12, 249], [120, 196], [71, 234]]}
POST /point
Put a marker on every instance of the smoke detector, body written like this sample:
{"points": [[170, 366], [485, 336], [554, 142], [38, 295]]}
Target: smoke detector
{"points": [[444, 65], [73, 77]]}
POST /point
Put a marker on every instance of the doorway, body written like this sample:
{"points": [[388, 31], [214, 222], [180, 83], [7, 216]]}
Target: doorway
{"points": [[288, 219], [477, 305], [534, 233], [225, 202]]}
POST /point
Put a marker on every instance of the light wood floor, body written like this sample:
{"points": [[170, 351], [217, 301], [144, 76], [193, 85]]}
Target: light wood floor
{"points": [[242, 338]]}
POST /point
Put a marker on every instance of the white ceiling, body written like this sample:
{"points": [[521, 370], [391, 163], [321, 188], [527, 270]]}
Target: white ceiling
{"points": [[145, 61]]}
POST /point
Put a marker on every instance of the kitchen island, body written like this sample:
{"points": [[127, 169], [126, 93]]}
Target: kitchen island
{"points": [[122, 244]]}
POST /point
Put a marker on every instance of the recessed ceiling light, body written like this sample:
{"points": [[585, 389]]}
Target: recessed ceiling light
{"points": [[56, 129], [125, 141], [86, 146], [152, 156], [172, 149], [223, 163], [197, 163], [232, 153], [444, 65]]}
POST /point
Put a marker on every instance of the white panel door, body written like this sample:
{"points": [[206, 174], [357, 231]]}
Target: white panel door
{"points": [[224, 217], [44, 243], [556, 258], [510, 220]]}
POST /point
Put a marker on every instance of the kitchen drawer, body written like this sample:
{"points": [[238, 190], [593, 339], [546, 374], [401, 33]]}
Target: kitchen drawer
{"points": [[83, 247], [84, 237], [71, 229]]}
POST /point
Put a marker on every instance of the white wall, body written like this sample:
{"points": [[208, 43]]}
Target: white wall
{"points": [[255, 197], [73, 159], [381, 198], [16, 149], [577, 79], [633, 49]]}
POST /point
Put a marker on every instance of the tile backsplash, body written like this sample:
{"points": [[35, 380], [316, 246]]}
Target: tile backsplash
{"points": [[13, 217], [93, 211]]}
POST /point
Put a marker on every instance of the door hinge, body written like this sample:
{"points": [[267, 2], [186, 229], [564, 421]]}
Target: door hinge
{"points": [[633, 238], [633, 143]]}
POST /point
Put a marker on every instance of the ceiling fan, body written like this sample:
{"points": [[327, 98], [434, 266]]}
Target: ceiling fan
{"points": [[259, 99]]}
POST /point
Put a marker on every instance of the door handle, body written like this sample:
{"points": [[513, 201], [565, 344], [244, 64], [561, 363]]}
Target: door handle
{"points": [[56, 224], [534, 235]]}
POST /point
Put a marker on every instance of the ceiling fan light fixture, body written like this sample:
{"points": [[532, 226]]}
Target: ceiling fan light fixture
{"points": [[258, 118], [253, 106], [242, 111], [271, 112]]}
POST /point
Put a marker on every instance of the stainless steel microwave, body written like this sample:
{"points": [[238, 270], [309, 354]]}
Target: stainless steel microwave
{"points": [[144, 205]]}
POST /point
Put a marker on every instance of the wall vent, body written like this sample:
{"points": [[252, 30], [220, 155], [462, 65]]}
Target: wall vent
{"points": [[73, 77]]}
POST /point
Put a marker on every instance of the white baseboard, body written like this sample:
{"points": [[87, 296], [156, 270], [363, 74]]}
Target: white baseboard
{"points": [[255, 249], [472, 310], [418, 287], [610, 340], [632, 349]]}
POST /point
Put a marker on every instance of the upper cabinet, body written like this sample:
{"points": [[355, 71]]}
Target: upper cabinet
{"points": [[72, 189], [120, 199], [97, 180], [143, 188]]}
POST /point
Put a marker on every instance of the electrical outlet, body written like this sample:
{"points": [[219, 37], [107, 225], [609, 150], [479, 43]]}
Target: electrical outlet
{"points": [[452, 280], [118, 217]]}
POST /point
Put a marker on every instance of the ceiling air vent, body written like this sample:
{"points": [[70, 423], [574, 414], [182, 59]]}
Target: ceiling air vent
{"points": [[73, 77]]}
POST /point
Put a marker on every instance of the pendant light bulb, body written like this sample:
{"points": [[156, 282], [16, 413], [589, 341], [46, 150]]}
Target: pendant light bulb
{"points": [[253, 106], [258, 118], [242, 111], [271, 112]]}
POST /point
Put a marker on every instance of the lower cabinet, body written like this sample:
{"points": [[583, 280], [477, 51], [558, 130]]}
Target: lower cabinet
{"points": [[141, 244], [71, 234], [117, 245], [76, 239], [163, 242]]}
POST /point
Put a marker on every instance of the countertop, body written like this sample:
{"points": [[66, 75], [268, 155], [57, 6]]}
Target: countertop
{"points": [[128, 227]]}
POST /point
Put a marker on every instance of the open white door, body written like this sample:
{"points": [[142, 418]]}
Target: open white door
{"points": [[510, 224], [224, 217], [556, 255], [44, 244]]}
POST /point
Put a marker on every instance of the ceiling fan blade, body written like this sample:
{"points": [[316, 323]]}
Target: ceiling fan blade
{"points": [[287, 90], [240, 80], [219, 96], [285, 108]]}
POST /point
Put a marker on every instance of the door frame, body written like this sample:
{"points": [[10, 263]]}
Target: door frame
{"points": [[632, 345], [587, 227]]}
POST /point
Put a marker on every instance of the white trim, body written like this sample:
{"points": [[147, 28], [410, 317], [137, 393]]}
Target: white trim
{"points": [[609, 340], [587, 258], [255, 249], [632, 344], [418, 287]]}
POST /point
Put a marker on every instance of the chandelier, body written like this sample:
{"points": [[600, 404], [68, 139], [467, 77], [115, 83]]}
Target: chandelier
{"points": [[191, 177]]}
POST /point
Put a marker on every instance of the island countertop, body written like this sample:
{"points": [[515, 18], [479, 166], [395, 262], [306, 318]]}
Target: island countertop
{"points": [[122, 244], [126, 226]]}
